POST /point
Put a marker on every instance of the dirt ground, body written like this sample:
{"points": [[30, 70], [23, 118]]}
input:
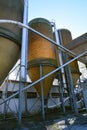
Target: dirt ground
{"points": [[67, 121]]}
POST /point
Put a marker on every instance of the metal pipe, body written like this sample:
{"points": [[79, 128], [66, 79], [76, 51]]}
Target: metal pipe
{"points": [[38, 33], [63, 75], [62, 48], [27, 27], [58, 41], [23, 61], [45, 76]]}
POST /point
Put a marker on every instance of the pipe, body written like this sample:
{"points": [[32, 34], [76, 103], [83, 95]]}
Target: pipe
{"points": [[23, 61], [45, 76], [38, 33], [25, 26], [58, 41]]}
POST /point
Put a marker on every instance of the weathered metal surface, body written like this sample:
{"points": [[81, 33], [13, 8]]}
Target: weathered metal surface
{"points": [[66, 37], [41, 52]]}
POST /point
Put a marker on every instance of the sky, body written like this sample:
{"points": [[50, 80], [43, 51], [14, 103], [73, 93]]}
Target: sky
{"points": [[68, 14]]}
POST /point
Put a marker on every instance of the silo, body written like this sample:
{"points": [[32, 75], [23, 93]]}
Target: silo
{"points": [[65, 36], [10, 35], [41, 52]]}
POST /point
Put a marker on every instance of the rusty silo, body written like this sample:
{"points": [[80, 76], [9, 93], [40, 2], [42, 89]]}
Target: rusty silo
{"points": [[41, 52], [65, 39]]}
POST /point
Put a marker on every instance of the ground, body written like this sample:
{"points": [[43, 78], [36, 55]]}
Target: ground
{"points": [[53, 121]]}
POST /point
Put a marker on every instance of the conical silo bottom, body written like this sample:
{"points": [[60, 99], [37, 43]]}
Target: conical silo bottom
{"points": [[9, 54], [74, 71], [34, 73]]}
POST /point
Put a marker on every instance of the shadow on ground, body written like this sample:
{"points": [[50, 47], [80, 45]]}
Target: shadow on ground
{"points": [[68, 121]]}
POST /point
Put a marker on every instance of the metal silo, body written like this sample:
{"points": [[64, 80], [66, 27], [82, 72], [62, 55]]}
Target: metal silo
{"points": [[10, 35], [41, 53], [66, 37]]}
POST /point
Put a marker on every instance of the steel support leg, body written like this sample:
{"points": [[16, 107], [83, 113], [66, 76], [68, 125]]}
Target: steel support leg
{"points": [[42, 93], [70, 86], [61, 90]]}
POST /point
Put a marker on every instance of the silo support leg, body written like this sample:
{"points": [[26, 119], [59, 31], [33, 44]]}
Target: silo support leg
{"points": [[42, 93], [70, 86], [61, 91]]}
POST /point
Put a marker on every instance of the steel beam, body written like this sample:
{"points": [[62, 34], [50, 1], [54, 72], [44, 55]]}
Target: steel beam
{"points": [[79, 45]]}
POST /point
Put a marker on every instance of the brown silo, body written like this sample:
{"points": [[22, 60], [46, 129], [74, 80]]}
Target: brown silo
{"points": [[10, 35], [65, 39], [41, 52]]}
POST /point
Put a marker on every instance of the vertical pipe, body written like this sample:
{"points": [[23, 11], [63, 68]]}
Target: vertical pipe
{"points": [[23, 61], [63, 75], [24, 43], [60, 54], [42, 93], [60, 60]]}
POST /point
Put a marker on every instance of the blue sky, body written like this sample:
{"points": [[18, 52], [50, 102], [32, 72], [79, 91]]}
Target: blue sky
{"points": [[69, 14]]}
